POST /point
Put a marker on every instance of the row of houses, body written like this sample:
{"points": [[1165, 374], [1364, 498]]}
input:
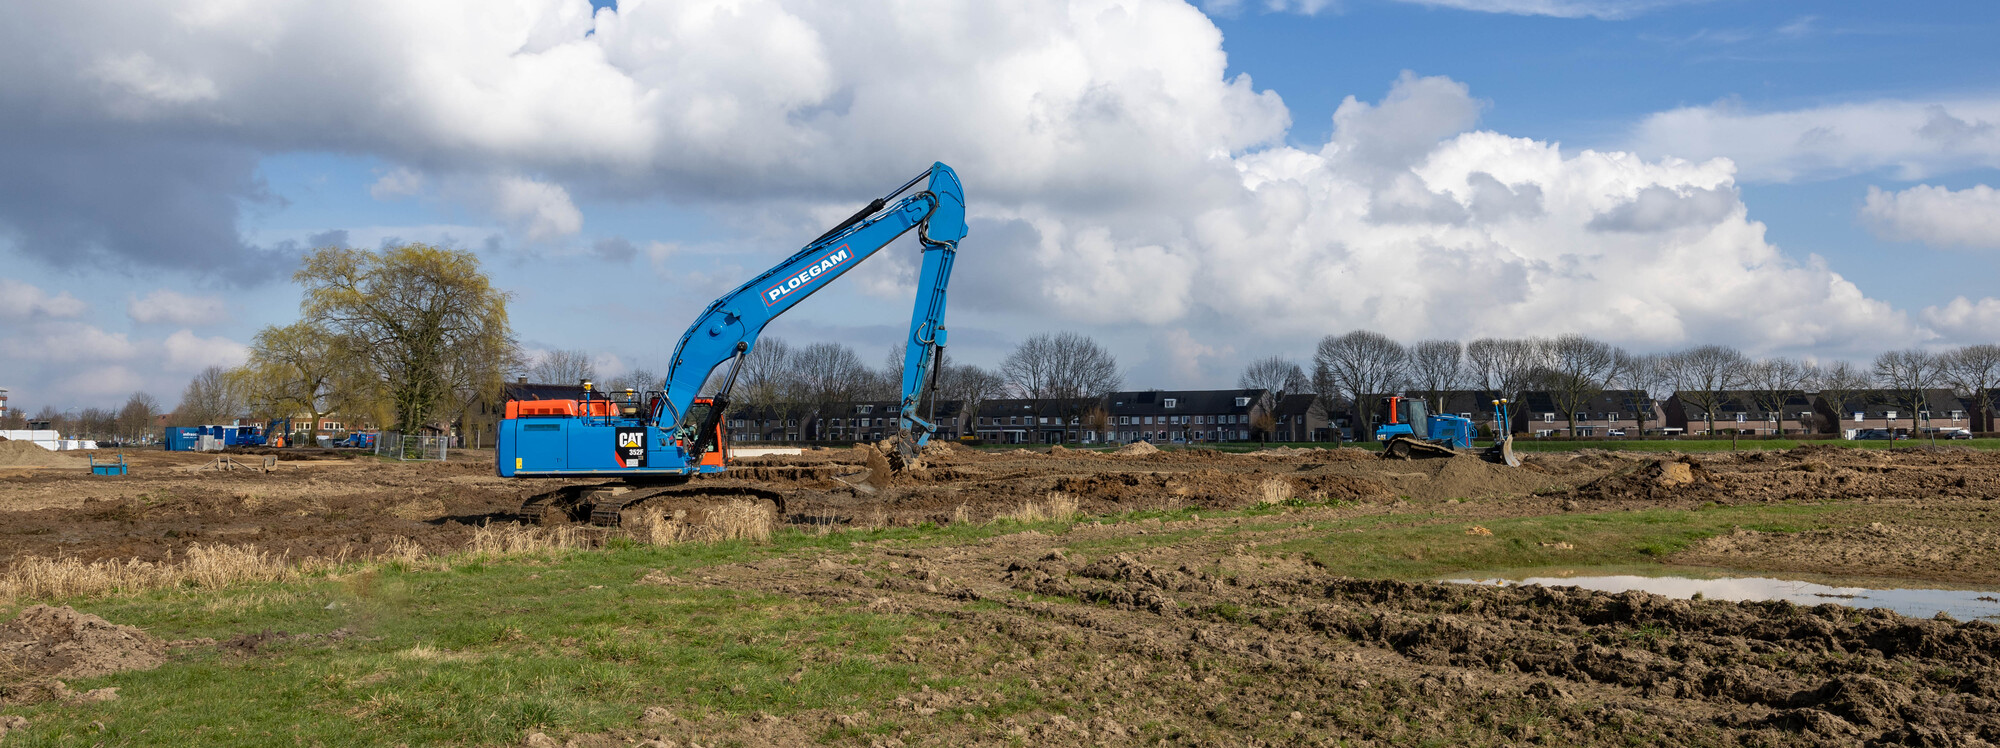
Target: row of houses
{"points": [[1233, 415], [1633, 412], [1191, 416]]}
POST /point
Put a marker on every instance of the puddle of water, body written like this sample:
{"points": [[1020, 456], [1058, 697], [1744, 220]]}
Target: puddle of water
{"points": [[1964, 605]]}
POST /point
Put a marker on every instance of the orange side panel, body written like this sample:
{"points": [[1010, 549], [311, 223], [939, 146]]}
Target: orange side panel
{"points": [[721, 448], [604, 408], [519, 408]]}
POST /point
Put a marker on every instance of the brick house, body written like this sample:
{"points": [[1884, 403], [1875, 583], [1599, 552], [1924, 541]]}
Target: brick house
{"points": [[1024, 421], [1610, 413], [1887, 409], [1186, 415], [875, 420], [1746, 412], [1300, 418]]}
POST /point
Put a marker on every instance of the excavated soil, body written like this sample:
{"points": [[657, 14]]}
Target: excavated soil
{"points": [[46, 642], [1204, 644], [1200, 637], [20, 454]]}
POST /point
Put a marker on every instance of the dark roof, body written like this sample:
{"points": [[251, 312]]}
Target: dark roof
{"points": [[1296, 404], [945, 409], [1936, 401], [1746, 401], [1004, 407], [1480, 402], [1154, 402]]}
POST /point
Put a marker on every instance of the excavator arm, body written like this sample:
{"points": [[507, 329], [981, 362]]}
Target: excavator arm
{"points": [[728, 330]]}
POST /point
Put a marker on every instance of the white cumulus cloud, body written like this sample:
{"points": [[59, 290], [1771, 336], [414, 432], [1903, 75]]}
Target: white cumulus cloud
{"points": [[1910, 139], [1116, 173], [186, 351], [1936, 215], [166, 306], [540, 211], [21, 301]]}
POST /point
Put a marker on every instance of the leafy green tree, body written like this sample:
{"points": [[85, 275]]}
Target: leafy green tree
{"points": [[303, 368], [428, 324]]}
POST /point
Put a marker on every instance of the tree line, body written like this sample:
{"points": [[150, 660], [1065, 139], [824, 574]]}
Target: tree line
{"points": [[1350, 371]]}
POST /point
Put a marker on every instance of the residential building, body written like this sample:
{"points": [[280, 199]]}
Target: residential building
{"points": [[1890, 410], [1609, 413], [1186, 415], [1746, 412], [1022, 421], [1300, 418]]}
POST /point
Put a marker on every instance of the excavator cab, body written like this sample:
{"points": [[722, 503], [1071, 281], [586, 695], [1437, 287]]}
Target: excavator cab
{"points": [[1410, 414]]}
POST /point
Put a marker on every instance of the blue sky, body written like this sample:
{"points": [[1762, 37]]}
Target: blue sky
{"points": [[1123, 183]]}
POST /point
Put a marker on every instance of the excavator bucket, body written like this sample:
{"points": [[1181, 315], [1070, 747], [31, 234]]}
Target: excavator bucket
{"points": [[1503, 452]]}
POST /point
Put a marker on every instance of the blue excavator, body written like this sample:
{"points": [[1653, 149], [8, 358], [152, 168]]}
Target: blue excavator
{"points": [[646, 447]]}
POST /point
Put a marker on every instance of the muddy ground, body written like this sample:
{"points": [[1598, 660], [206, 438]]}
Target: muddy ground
{"points": [[1932, 508], [1207, 639]]}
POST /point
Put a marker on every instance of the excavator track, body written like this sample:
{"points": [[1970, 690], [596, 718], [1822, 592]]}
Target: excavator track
{"points": [[1404, 447], [608, 504]]}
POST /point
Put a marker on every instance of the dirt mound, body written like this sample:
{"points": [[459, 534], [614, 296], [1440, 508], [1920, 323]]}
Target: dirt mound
{"points": [[46, 642], [940, 448], [1460, 477], [1058, 450], [1658, 479], [1137, 449], [29, 454]]}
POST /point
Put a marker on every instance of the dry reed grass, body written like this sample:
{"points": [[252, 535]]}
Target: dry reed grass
{"points": [[1274, 491], [1056, 507], [518, 540], [731, 520], [204, 567]]}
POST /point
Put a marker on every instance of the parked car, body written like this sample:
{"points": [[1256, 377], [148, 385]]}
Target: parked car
{"points": [[1878, 435], [1615, 432], [1956, 434]]}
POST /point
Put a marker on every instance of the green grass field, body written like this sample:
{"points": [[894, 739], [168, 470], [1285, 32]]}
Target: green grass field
{"points": [[482, 650]]}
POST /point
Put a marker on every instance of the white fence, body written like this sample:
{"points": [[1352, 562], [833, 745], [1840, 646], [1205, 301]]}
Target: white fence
{"points": [[414, 448]]}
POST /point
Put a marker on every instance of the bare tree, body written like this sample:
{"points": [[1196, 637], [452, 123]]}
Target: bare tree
{"points": [[641, 380], [1644, 377], [135, 420], [1436, 368], [1576, 371], [1775, 383], [211, 398], [1909, 375], [1507, 368], [1275, 374], [1063, 366], [825, 375], [1363, 365], [1840, 385], [1705, 375], [1975, 371], [765, 378], [562, 366], [971, 385]]}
